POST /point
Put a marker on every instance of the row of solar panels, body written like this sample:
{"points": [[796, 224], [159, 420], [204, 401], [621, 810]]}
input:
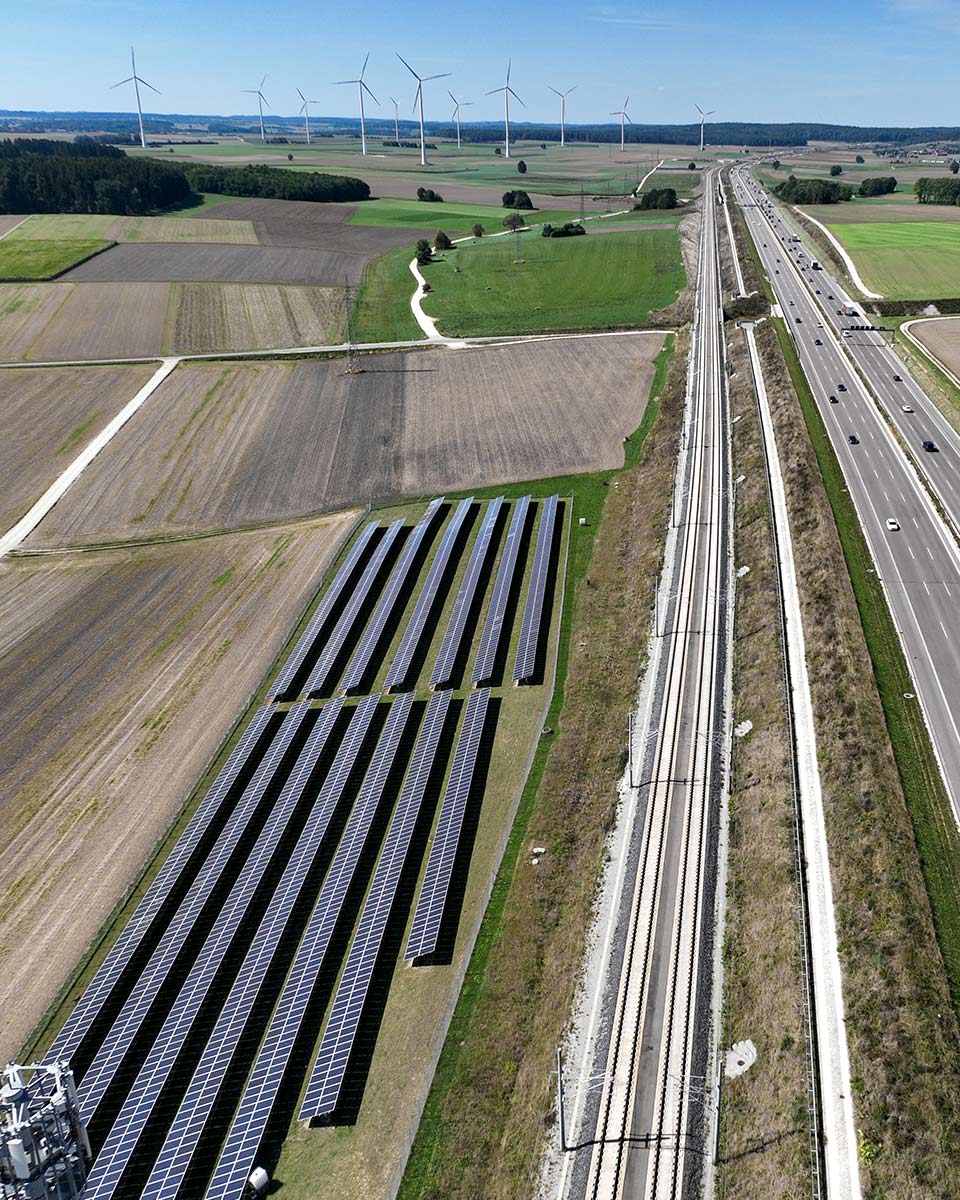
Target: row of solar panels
{"points": [[325, 639], [236, 1019]]}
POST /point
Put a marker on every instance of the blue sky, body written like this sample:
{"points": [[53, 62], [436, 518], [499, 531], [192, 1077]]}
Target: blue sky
{"points": [[855, 62]]}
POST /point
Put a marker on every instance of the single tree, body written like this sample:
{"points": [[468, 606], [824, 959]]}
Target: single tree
{"points": [[514, 221], [859, 158], [522, 167], [424, 253], [497, 151], [955, 166], [289, 158], [478, 230], [691, 166], [836, 169], [442, 242], [776, 164]]}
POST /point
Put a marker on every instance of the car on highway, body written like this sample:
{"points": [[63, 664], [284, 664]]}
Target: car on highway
{"points": [[853, 439], [841, 387], [893, 524], [817, 342], [799, 320], [791, 304], [834, 400], [907, 408], [898, 379], [930, 447]]}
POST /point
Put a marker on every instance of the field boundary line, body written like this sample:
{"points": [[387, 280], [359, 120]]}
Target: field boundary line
{"points": [[924, 350], [35, 514]]}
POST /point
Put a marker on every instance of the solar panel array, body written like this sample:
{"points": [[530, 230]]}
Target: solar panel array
{"points": [[186, 1130], [321, 675], [530, 627], [306, 641], [452, 639], [400, 668], [101, 987], [237, 1157], [131, 1017], [360, 663], [121, 1142], [327, 1078], [435, 889], [496, 613]]}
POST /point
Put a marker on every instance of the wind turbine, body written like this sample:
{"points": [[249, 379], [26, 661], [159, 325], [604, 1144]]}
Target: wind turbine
{"points": [[457, 105], [361, 88], [396, 121], [136, 81], [261, 101], [622, 114], [703, 117], [418, 99], [306, 112], [563, 109], [507, 93]]}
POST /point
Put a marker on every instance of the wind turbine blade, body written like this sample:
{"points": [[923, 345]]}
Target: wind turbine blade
{"points": [[364, 67], [369, 93], [302, 109], [264, 99], [626, 104], [509, 65], [452, 97], [407, 65], [129, 79], [569, 90], [629, 122], [515, 96], [495, 91], [249, 91], [150, 86], [443, 75], [338, 82], [699, 109], [465, 103], [262, 82], [301, 95], [555, 92]]}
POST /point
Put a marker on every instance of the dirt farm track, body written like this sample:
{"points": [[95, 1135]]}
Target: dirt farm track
{"points": [[221, 446]]}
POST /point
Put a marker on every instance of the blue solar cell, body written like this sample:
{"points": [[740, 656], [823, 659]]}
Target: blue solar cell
{"points": [[238, 1155], [416, 626], [327, 1078], [496, 613], [101, 988], [385, 609], [131, 1017], [531, 626], [435, 889], [360, 597], [316, 626], [446, 659]]}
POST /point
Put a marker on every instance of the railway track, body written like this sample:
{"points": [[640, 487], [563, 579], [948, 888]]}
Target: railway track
{"points": [[650, 1126]]}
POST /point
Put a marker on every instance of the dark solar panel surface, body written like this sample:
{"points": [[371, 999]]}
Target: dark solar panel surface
{"points": [[360, 663], [101, 987], [138, 1107], [446, 659], [496, 613], [238, 1154], [327, 1078], [181, 1142], [307, 640], [322, 674], [531, 626], [435, 889], [400, 667], [130, 1018]]}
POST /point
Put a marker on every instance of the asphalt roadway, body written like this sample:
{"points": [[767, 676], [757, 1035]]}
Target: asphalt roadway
{"points": [[919, 562]]}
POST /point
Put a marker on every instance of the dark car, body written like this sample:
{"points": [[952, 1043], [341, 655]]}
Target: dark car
{"points": [[817, 342], [799, 320], [853, 439], [898, 379], [841, 387], [834, 400], [929, 446]]}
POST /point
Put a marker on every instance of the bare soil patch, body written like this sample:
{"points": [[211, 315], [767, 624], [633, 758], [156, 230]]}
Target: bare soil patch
{"points": [[46, 417], [121, 673], [209, 318], [224, 445], [942, 339]]}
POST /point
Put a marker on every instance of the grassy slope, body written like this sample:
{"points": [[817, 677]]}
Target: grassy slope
{"points": [[491, 1091], [564, 283], [459, 218], [905, 260], [382, 311], [29, 260]]}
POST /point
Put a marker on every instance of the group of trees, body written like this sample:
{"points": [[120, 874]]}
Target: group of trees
{"points": [[881, 185], [517, 199], [81, 147], [570, 229], [274, 183], [836, 170], [812, 191], [429, 195], [657, 198], [937, 191]]}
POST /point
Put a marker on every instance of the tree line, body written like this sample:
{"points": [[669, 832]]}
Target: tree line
{"points": [[274, 183], [657, 198], [82, 147], [937, 191], [812, 191], [881, 185]]}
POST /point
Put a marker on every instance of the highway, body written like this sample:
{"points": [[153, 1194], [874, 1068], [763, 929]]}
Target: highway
{"points": [[650, 1134], [919, 562]]}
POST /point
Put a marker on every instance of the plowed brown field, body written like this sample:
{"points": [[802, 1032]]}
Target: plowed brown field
{"points": [[942, 338], [221, 446], [46, 418], [121, 673], [211, 318]]}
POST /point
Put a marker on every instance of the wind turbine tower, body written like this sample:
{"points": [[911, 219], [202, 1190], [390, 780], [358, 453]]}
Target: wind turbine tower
{"points": [[622, 114], [305, 109], [457, 105], [361, 88], [563, 109], [703, 117], [136, 81], [261, 101], [396, 121], [418, 100], [507, 93]]}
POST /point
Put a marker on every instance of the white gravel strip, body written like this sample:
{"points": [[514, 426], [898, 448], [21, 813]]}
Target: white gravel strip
{"points": [[848, 261]]}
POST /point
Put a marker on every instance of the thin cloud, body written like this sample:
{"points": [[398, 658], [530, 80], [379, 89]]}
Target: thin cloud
{"points": [[643, 19]]}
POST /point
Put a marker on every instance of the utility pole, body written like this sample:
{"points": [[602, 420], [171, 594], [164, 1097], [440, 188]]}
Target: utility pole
{"points": [[353, 356], [581, 201], [561, 1112]]}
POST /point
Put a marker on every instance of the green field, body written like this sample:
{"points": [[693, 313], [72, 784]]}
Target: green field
{"points": [[29, 260], [453, 218], [905, 260], [592, 282], [382, 312]]}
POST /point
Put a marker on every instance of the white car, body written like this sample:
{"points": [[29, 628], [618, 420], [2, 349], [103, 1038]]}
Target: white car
{"points": [[906, 408], [893, 524]]}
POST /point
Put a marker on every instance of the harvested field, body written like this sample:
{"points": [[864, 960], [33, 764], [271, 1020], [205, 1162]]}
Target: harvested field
{"points": [[46, 417], [122, 674], [74, 226], [210, 318], [221, 446], [942, 338], [44, 321], [145, 262]]}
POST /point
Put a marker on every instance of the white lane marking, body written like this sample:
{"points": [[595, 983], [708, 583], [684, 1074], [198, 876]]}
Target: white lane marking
{"points": [[945, 634], [912, 555], [925, 588], [928, 550]]}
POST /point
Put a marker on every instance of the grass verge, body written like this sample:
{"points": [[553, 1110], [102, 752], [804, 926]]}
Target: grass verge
{"points": [[382, 312], [30, 261]]}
